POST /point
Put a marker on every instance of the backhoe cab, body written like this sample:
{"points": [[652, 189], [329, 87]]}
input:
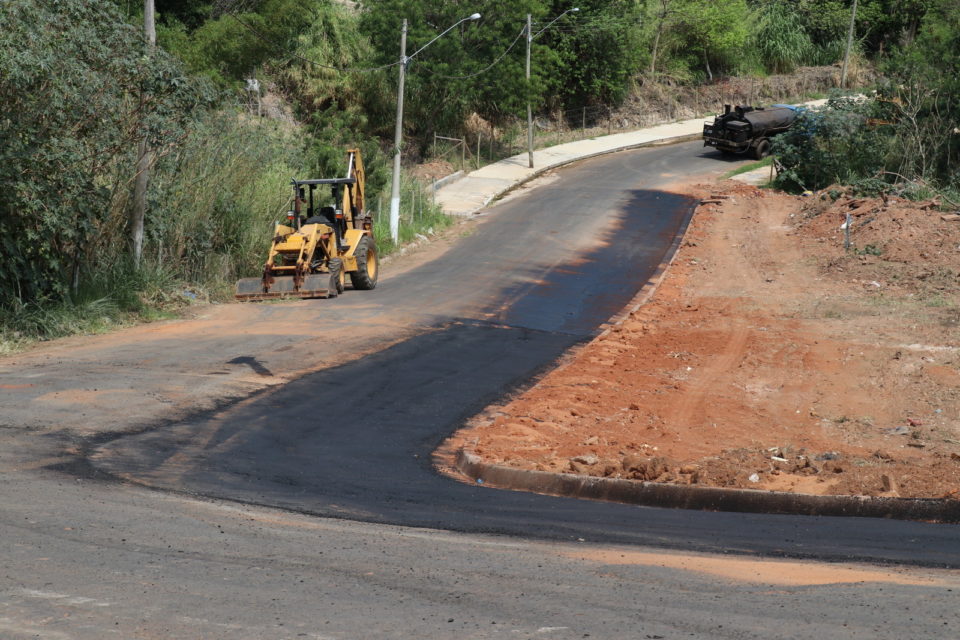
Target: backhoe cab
{"points": [[327, 235]]}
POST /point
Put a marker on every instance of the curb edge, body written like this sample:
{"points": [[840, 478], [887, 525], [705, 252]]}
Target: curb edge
{"points": [[653, 494]]}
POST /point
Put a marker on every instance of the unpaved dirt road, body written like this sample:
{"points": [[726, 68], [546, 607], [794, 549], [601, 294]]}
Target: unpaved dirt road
{"points": [[184, 407]]}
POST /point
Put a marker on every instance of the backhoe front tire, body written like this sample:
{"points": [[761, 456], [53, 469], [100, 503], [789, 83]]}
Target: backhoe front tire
{"points": [[368, 265]]}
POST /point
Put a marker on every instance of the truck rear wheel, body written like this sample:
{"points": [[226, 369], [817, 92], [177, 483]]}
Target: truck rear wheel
{"points": [[762, 150], [368, 265]]}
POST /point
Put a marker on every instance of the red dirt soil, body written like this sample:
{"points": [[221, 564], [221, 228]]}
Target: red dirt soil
{"points": [[768, 358]]}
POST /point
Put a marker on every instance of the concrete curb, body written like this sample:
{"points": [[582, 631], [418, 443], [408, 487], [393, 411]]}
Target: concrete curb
{"points": [[450, 179], [652, 494]]}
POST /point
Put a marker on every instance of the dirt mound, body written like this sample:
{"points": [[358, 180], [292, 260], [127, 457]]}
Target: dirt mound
{"points": [[431, 171], [909, 247], [769, 358]]}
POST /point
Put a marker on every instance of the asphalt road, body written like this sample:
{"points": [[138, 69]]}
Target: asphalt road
{"points": [[87, 556], [355, 440]]}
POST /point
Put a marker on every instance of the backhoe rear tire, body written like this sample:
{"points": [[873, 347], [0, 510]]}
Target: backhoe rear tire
{"points": [[368, 265]]}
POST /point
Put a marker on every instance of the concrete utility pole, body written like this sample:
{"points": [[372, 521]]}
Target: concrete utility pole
{"points": [[397, 141], [846, 55], [398, 136], [530, 37], [144, 156], [529, 109]]}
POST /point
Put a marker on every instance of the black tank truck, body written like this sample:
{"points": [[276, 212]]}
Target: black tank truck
{"points": [[748, 130]]}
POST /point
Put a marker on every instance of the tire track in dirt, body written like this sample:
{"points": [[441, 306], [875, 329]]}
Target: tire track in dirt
{"points": [[705, 379]]}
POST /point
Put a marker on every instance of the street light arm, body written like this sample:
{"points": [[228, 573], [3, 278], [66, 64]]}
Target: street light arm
{"points": [[398, 132], [573, 10], [475, 16]]}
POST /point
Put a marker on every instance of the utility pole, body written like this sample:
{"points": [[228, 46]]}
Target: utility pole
{"points": [[530, 37], [846, 55], [397, 141], [144, 156], [398, 136], [529, 110]]}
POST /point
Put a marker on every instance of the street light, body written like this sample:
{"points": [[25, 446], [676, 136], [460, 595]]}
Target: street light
{"points": [[530, 36], [398, 134]]}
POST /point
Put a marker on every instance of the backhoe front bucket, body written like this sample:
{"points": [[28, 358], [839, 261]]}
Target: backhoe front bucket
{"points": [[315, 285]]}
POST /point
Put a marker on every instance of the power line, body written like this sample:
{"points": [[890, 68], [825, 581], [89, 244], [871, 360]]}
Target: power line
{"points": [[491, 65], [595, 24], [265, 39]]}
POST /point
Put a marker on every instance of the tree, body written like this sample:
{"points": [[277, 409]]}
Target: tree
{"points": [[715, 32], [70, 117], [665, 9], [693, 33], [454, 75], [138, 209], [780, 37], [598, 50]]}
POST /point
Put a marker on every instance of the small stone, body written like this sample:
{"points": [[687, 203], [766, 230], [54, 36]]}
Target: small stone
{"points": [[634, 406], [889, 484], [578, 467], [592, 440], [587, 459], [754, 477]]}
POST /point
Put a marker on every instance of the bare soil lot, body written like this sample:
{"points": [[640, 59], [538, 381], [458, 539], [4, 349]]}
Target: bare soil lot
{"points": [[768, 358]]}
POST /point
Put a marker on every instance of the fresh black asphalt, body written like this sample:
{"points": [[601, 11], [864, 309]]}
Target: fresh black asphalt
{"points": [[354, 441]]}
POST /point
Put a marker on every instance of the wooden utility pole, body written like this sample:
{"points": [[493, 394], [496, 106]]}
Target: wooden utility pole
{"points": [[144, 156]]}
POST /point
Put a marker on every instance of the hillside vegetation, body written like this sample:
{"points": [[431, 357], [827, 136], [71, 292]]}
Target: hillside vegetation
{"points": [[79, 99]]}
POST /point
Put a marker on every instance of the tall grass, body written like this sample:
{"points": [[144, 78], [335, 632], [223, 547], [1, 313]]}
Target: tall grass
{"points": [[216, 199], [780, 38], [211, 206], [110, 297], [419, 215]]}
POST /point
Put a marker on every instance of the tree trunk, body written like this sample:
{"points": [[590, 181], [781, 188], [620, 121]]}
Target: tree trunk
{"points": [[656, 45], [661, 23], [139, 208]]}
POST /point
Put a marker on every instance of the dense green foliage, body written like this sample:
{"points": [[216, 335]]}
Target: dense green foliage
{"points": [[77, 99], [909, 136], [832, 145]]}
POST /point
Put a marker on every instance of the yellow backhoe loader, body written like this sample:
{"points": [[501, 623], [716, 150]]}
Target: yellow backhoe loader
{"points": [[328, 234]]}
